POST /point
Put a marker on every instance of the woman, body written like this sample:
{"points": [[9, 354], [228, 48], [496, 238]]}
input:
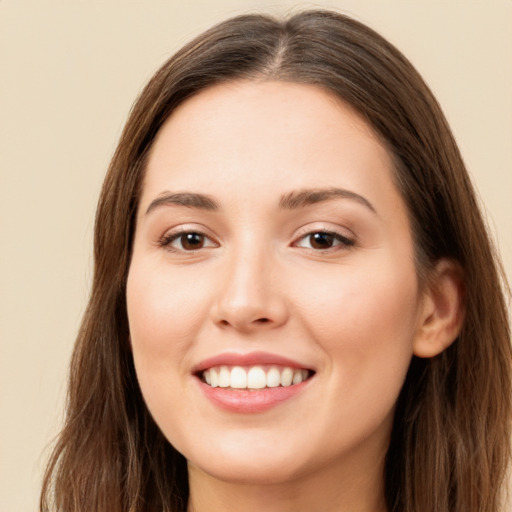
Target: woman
{"points": [[295, 302]]}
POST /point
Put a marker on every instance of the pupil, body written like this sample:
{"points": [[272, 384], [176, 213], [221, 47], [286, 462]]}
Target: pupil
{"points": [[322, 240], [192, 241]]}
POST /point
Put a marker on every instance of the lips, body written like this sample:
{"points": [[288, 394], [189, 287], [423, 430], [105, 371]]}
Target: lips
{"points": [[248, 383]]}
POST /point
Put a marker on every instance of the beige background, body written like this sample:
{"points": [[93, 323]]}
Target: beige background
{"points": [[69, 73]]}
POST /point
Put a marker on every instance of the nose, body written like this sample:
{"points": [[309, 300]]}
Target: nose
{"points": [[251, 297]]}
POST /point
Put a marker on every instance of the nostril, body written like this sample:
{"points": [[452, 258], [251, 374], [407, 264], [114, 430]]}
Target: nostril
{"points": [[258, 321]]}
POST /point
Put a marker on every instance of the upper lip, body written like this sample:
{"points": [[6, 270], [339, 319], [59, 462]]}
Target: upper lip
{"points": [[250, 359]]}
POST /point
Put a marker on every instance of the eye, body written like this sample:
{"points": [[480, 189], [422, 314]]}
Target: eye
{"points": [[324, 240], [187, 241]]}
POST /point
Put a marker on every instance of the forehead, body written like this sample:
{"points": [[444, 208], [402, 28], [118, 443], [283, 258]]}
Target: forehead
{"points": [[271, 112], [240, 138]]}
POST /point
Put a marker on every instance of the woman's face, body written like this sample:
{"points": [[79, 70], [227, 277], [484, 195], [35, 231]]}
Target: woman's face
{"points": [[272, 250]]}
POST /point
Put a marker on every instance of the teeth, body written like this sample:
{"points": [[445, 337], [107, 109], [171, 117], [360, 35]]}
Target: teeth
{"points": [[297, 377], [238, 378], [254, 377], [287, 377], [224, 377], [273, 378], [214, 378]]}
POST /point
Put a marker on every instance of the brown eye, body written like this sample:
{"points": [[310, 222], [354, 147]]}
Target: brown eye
{"points": [[187, 241], [321, 240], [190, 241], [324, 240]]}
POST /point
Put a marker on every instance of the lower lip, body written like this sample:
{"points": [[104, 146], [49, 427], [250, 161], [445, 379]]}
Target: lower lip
{"points": [[253, 401]]}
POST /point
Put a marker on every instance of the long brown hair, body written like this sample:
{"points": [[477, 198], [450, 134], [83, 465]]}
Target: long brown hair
{"points": [[450, 444]]}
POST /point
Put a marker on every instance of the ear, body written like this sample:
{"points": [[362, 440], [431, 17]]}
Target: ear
{"points": [[442, 310]]}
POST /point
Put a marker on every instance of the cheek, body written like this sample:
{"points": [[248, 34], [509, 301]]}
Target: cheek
{"points": [[164, 310], [357, 300], [165, 313], [365, 322]]}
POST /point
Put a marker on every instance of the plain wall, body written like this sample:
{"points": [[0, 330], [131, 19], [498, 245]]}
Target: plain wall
{"points": [[69, 72]]}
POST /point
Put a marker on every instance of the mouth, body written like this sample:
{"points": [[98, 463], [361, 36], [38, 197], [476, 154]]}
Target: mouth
{"points": [[253, 382], [255, 377]]}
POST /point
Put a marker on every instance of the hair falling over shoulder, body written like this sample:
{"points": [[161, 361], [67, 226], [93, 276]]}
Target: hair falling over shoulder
{"points": [[450, 445]]}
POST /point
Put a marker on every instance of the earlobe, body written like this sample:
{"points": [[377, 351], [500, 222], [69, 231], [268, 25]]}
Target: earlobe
{"points": [[442, 311]]}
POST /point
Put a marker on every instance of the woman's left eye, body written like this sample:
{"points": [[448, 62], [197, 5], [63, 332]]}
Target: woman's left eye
{"points": [[187, 241], [323, 240]]}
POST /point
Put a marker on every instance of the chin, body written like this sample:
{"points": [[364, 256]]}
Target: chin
{"points": [[242, 465], [248, 473]]}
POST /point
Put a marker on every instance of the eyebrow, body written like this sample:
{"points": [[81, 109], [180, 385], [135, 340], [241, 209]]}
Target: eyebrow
{"points": [[308, 197], [292, 201], [187, 199]]}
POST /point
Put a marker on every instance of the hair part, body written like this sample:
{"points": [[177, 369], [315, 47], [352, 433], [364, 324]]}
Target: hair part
{"points": [[450, 443]]}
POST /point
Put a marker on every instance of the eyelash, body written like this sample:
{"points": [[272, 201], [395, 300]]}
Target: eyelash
{"points": [[168, 239], [343, 241], [339, 241]]}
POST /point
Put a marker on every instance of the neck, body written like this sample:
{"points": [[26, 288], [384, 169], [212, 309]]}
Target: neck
{"points": [[330, 489]]}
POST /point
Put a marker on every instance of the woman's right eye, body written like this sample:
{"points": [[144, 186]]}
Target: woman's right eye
{"points": [[187, 241]]}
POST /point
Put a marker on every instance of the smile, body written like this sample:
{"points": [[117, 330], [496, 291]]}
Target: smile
{"points": [[253, 382], [253, 377]]}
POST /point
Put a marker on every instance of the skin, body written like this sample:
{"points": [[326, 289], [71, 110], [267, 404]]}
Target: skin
{"points": [[353, 312]]}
